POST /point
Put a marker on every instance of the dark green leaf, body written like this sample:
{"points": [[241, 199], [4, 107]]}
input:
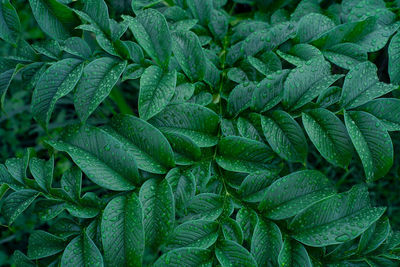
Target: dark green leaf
{"points": [[42, 244], [10, 25], [230, 253]]}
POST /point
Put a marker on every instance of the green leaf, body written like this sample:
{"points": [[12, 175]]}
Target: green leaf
{"points": [[374, 236], [372, 142], [21, 260], [218, 24], [269, 91], [362, 85], [346, 55], [336, 219], [71, 182], [78, 47], [206, 206], [253, 187], [201, 10], [156, 91], [306, 82], [285, 136], [188, 257], [189, 54], [329, 135], [240, 97], [266, 243], [194, 121], [186, 152], [57, 81], [122, 231], [394, 59], [312, 25], [248, 130], [96, 12], [98, 78], [232, 230], [17, 202], [240, 154], [230, 253], [82, 251], [42, 244], [183, 186], [198, 233], [293, 254], [293, 193], [94, 150], [158, 211], [5, 81], [387, 110], [54, 18], [151, 149], [42, 171], [247, 219], [151, 31], [266, 63], [300, 54], [10, 26]]}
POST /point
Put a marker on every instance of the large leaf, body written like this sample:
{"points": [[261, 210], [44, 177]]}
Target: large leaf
{"points": [[372, 142], [346, 55], [194, 121], [312, 25], [151, 31], [329, 136], [158, 211], [293, 193], [306, 82], [54, 18], [293, 254], [98, 78], [42, 244], [394, 59], [188, 257], [336, 219], [82, 251], [17, 202], [10, 25], [230, 253], [156, 90], [387, 110], [362, 85], [240, 154], [285, 136], [266, 243], [56, 82], [94, 150], [152, 151], [189, 54], [122, 231]]}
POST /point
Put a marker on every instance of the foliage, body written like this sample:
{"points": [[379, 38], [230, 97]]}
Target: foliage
{"points": [[200, 133]]}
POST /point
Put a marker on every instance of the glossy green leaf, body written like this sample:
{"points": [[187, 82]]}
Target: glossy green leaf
{"points": [[387, 110], [374, 236], [372, 142], [293, 254], [336, 219], [253, 187], [346, 55], [156, 90], [293, 193], [329, 135], [183, 186], [231, 230], [42, 171], [57, 81], [158, 211], [285, 136], [43, 244], [206, 206], [230, 253], [17, 202], [122, 231], [98, 78], [312, 25]]}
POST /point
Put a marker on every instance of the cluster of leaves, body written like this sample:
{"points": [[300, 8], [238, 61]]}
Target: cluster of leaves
{"points": [[184, 132]]}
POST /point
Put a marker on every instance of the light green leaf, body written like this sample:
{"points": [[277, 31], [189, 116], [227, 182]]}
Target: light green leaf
{"points": [[285, 136], [194, 121], [54, 18], [81, 251], [158, 211], [57, 81], [293, 193], [122, 231], [156, 90], [266, 243], [230, 253], [188, 257], [151, 31], [42, 244], [372, 142], [336, 219], [197, 233], [17, 202], [189, 54], [152, 151], [98, 78], [329, 135], [10, 26], [94, 150], [387, 110], [362, 85], [240, 154]]}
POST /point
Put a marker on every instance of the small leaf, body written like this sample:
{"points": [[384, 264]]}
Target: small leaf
{"points": [[230, 253], [293, 193], [98, 78], [156, 90], [122, 231], [329, 136], [42, 171], [158, 211], [285, 136], [372, 142]]}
